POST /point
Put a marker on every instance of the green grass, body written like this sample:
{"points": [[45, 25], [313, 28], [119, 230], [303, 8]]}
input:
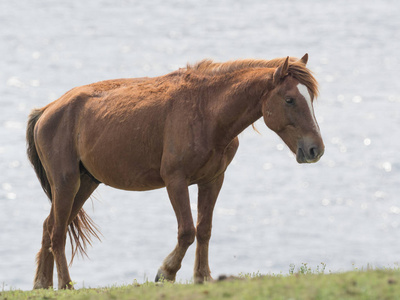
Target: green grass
{"points": [[301, 284]]}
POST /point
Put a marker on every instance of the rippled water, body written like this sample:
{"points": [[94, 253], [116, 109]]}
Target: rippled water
{"points": [[272, 212]]}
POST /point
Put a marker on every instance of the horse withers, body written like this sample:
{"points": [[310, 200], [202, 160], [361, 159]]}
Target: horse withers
{"points": [[170, 131]]}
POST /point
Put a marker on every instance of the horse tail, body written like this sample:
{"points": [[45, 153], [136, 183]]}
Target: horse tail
{"points": [[80, 231], [32, 151], [82, 228]]}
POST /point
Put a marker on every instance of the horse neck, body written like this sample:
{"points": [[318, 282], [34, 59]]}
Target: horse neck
{"points": [[239, 104]]}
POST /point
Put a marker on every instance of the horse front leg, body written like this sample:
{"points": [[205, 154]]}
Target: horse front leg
{"points": [[177, 188], [207, 197]]}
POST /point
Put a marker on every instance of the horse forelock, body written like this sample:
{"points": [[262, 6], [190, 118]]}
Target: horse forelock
{"points": [[296, 69], [304, 76]]}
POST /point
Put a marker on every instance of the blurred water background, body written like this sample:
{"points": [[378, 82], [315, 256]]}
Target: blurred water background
{"points": [[272, 212]]}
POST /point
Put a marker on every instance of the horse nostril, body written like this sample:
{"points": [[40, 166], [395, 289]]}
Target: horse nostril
{"points": [[313, 152]]}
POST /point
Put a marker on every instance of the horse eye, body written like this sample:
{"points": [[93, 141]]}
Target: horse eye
{"points": [[289, 100]]}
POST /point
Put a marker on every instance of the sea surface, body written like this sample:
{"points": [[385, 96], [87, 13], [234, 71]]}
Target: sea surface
{"points": [[272, 213]]}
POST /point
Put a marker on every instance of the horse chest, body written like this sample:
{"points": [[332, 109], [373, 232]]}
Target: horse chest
{"points": [[206, 168], [215, 163]]}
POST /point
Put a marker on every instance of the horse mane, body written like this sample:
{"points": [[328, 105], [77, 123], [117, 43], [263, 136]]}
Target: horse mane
{"points": [[296, 69]]}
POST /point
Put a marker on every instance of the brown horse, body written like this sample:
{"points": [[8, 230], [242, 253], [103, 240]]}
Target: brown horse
{"points": [[170, 131]]}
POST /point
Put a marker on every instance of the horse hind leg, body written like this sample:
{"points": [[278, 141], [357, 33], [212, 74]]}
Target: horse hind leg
{"points": [[83, 225], [64, 189], [45, 259], [53, 241]]}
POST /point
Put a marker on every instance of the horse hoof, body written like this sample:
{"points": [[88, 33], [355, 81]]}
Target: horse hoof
{"points": [[37, 285], [202, 279], [162, 276], [67, 286]]}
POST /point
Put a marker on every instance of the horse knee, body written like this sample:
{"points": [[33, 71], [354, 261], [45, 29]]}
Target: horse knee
{"points": [[203, 234], [186, 236]]}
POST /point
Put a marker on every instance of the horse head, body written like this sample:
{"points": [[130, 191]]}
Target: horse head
{"points": [[288, 110]]}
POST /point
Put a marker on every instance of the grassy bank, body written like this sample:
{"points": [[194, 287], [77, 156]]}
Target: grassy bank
{"points": [[369, 284]]}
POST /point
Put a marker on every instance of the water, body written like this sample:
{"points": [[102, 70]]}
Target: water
{"points": [[272, 212]]}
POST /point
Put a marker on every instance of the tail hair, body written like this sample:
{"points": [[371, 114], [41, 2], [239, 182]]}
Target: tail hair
{"points": [[32, 151], [82, 228]]}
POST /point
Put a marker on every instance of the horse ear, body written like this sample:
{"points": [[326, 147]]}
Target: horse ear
{"points": [[304, 59], [281, 71]]}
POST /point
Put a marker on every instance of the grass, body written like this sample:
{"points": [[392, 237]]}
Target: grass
{"points": [[301, 284]]}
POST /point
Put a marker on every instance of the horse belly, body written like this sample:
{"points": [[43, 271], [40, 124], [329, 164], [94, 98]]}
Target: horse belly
{"points": [[136, 180], [121, 174], [123, 163]]}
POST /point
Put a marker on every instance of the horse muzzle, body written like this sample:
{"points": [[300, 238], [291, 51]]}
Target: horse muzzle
{"points": [[308, 151]]}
